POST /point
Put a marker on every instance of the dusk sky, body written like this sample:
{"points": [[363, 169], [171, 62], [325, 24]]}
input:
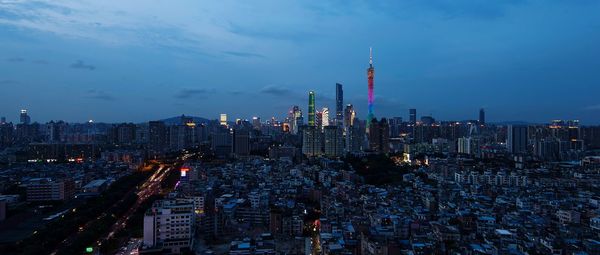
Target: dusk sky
{"points": [[134, 61]]}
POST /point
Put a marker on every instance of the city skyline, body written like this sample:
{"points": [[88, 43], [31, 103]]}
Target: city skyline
{"points": [[262, 127], [445, 59]]}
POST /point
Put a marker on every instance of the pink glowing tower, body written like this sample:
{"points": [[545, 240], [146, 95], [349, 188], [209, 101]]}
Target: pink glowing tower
{"points": [[370, 76]]}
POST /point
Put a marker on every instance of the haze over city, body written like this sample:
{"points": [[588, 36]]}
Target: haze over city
{"points": [[115, 61]]}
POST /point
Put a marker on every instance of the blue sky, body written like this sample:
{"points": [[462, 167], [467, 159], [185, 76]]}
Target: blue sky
{"points": [[140, 60]]}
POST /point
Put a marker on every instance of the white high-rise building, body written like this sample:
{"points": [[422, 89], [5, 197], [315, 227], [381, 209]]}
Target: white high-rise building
{"points": [[295, 119], [223, 119], [325, 117], [169, 225]]}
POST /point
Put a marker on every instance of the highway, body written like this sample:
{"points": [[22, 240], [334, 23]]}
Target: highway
{"points": [[148, 188]]}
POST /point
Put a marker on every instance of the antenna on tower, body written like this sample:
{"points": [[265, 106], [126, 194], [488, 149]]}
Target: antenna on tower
{"points": [[370, 55]]}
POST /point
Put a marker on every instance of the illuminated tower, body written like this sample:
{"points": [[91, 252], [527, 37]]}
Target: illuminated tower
{"points": [[311, 108], [370, 76]]}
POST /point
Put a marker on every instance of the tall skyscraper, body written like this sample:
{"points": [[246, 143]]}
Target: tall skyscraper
{"points": [[223, 119], [25, 119], [349, 116], [339, 104], [296, 119], [370, 76], [325, 117], [516, 140], [311, 109], [481, 116], [412, 113]]}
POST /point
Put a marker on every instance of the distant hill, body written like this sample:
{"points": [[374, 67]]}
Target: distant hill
{"points": [[177, 120]]}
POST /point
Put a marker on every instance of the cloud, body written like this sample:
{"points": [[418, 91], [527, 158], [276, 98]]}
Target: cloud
{"points": [[100, 95], [236, 92], [273, 32], [15, 59], [243, 54], [120, 24], [592, 107], [448, 9], [275, 90], [80, 65], [189, 93], [9, 82]]}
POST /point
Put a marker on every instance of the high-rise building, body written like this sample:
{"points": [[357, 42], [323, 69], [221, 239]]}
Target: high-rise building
{"points": [[547, 149], [123, 133], [516, 140], [355, 135], [333, 141], [256, 123], [2, 120], [221, 141], [379, 136], [349, 116], [26, 133], [412, 116], [325, 117], [481, 116], [311, 109], [370, 77], [25, 119], [319, 120], [339, 104], [6, 134], [168, 226], [182, 136], [157, 135], [223, 119], [295, 119], [56, 131], [395, 126], [241, 142], [311, 141]]}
